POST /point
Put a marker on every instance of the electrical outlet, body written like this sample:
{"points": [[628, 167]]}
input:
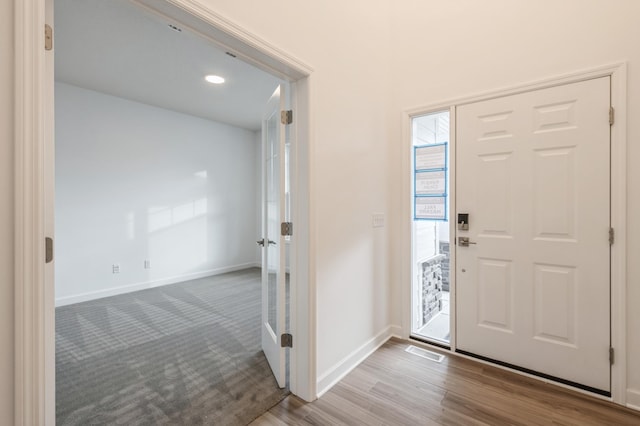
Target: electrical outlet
{"points": [[147, 264], [377, 220], [115, 269]]}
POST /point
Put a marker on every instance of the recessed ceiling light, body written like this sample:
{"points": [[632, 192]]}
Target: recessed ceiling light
{"points": [[215, 79]]}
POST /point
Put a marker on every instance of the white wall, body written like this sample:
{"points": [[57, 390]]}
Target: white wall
{"points": [[447, 49], [347, 45], [6, 212], [135, 182]]}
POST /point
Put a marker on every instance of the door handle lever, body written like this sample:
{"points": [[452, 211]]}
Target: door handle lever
{"points": [[464, 241], [260, 242]]}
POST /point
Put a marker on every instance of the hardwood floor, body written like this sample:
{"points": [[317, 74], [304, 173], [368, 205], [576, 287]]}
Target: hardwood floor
{"points": [[393, 387]]}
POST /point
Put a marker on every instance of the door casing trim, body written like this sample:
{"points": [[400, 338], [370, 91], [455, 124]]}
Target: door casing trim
{"points": [[618, 73], [34, 345]]}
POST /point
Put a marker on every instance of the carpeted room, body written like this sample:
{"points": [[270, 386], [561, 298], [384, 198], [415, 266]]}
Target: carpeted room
{"points": [[158, 208], [186, 353]]}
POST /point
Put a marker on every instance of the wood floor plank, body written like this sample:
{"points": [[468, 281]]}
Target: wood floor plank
{"points": [[479, 411], [268, 419], [354, 413], [393, 387], [487, 384], [467, 384]]}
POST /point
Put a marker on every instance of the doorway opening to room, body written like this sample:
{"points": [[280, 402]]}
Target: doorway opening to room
{"points": [[431, 284], [176, 314]]}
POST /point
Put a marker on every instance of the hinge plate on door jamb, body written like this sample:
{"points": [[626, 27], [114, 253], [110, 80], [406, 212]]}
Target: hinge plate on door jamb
{"points": [[286, 340], [48, 37], [612, 116], [612, 236], [48, 250], [612, 356], [286, 117], [286, 229]]}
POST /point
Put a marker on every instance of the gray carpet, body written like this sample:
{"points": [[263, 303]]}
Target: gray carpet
{"points": [[183, 354]]}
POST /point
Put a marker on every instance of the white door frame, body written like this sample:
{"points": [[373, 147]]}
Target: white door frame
{"points": [[34, 350], [618, 74]]}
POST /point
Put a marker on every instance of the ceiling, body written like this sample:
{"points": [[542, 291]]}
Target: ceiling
{"points": [[119, 48]]}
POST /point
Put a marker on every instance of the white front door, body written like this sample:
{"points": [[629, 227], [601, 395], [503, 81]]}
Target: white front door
{"points": [[273, 244], [533, 284]]}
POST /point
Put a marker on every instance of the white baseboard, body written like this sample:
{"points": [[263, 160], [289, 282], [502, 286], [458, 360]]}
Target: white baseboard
{"points": [[113, 291], [633, 399], [396, 331], [351, 361]]}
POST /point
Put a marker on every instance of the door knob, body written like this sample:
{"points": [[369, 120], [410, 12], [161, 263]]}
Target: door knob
{"points": [[262, 241], [464, 241]]}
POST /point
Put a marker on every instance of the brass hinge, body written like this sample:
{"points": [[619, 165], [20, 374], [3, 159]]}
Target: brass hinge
{"points": [[48, 37], [612, 356], [612, 116], [286, 117], [286, 340], [286, 229], [48, 250], [612, 236]]}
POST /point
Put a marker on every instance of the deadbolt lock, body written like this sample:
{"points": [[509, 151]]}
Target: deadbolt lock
{"points": [[463, 221]]}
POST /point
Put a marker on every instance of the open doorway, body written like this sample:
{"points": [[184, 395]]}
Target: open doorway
{"points": [[35, 298], [152, 173], [430, 228]]}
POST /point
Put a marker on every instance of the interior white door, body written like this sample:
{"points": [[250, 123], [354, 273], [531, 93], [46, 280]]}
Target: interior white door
{"points": [[533, 286], [273, 245]]}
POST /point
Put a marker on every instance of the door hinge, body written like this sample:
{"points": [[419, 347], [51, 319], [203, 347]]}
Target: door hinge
{"points": [[48, 37], [286, 229], [286, 117], [286, 340], [612, 116], [612, 236], [48, 250], [612, 356]]}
